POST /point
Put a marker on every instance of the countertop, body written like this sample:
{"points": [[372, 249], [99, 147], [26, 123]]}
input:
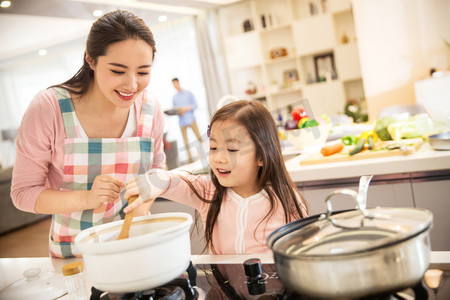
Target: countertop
{"points": [[425, 159], [11, 269]]}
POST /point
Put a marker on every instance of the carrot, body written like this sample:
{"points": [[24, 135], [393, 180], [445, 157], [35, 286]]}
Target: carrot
{"points": [[333, 148]]}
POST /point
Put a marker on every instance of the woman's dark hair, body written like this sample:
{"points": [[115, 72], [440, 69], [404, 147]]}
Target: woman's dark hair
{"points": [[113, 27], [272, 176]]}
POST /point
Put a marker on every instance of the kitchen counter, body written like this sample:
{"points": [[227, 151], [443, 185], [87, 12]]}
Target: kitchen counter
{"points": [[11, 269], [424, 160]]}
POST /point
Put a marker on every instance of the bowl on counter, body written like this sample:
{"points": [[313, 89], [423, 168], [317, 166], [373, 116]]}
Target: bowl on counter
{"points": [[306, 137], [440, 141]]}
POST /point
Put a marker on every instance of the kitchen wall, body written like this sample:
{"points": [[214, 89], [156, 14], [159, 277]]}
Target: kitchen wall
{"points": [[399, 42]]}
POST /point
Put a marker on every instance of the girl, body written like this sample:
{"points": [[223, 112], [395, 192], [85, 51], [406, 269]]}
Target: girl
{"points": [[80, 140], [248, 194]]}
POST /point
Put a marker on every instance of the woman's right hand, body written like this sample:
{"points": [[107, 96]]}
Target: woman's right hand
{"points": [[105, 188]]}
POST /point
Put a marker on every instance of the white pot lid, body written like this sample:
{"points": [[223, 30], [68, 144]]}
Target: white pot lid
{"points": [[35, 285]]}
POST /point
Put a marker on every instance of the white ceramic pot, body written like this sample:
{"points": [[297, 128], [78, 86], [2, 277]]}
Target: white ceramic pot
{"points": [[157, 251]]}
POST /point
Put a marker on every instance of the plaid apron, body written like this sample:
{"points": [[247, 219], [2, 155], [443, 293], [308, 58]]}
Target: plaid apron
{"points": [[86, 158]]}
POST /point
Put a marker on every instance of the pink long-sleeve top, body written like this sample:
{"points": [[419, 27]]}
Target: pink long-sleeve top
{"points": [[40, 148], [239, 229]]}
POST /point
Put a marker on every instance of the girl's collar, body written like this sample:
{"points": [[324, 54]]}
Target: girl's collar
{"points": [[249, 198]]}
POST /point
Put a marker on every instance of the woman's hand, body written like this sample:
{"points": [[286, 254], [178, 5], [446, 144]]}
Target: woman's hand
{"points": [[147, 186], [105, 189]]}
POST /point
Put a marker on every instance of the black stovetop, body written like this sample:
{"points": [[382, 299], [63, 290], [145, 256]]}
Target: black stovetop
{"points": [[229, 281]]}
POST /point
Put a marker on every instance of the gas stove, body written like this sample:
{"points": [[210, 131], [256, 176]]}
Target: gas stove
{"points": [[253, 280]]}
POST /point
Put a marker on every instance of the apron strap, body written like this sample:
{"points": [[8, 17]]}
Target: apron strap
{"points": [[146, 117], [67, 111]]}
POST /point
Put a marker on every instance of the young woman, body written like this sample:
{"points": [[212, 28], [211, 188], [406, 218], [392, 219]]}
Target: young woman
{"points": [[81, 140], [248, 194]]}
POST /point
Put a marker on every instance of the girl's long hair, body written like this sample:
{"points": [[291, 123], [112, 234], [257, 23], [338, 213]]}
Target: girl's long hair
{"points": [[111, 28], [272, 176]]}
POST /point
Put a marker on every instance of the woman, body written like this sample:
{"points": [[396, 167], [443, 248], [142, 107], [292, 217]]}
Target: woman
{"points": [[80, 140]]}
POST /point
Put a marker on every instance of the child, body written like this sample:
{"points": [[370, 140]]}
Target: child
{"points": [[248, 194]]}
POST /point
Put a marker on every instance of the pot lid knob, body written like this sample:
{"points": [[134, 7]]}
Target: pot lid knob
{"points": [[32, 274]]}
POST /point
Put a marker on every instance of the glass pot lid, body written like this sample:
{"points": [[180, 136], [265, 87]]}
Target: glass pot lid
{"points": [[351, 232]]}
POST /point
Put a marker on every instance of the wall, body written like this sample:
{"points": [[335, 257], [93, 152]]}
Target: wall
{"points": [[399, 41]]}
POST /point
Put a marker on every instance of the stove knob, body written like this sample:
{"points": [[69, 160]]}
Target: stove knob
{"points": [[253, 267], [255, 283]]}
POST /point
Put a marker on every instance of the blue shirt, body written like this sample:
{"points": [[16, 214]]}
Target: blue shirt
{"points": [[185, 98]]}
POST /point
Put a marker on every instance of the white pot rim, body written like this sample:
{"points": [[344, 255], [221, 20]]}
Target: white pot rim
{"points": [[132, 243]]}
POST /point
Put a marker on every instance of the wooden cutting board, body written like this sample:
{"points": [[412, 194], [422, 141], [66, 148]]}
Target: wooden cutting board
{"points": [[379, 150]]}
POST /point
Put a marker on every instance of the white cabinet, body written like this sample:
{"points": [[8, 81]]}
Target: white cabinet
{"points": [[435, 196], [291, 50], [427, 193], [386, 195]]}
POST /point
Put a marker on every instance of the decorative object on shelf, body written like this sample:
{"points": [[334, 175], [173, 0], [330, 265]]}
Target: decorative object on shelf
{"points": [[344, 38], [263, 21], [356, 110], [313, 9], [290, 76], [310, 78], [248, 25], [324, 67], [274, 86], [324, 4], [251, 88], [278, 52]]}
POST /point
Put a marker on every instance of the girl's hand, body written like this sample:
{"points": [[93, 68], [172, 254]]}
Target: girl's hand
{"points": [[105, 188], [148, 186]]}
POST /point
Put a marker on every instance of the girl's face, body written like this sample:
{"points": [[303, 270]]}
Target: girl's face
{"points": [[232, 157], [124, 72]]}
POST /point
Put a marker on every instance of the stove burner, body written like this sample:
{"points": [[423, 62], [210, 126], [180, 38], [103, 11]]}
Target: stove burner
{"points": [[177, 289]]}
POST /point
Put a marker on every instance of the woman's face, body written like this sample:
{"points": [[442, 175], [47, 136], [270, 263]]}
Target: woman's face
{"points": [[124, 72], [232, 157]]}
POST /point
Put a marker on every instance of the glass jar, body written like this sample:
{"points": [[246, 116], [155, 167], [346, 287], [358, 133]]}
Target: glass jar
{"points": [[75, 283]]}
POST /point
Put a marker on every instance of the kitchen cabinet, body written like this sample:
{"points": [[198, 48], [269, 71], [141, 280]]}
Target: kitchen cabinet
{"points": [[291, 50], [435, 196], [422, 190], [384, 194]]}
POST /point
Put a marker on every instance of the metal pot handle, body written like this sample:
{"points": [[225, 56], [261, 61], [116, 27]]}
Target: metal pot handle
{"points": [[352, 194]]}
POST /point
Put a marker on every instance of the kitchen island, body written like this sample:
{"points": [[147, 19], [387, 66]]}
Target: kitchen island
{"points": [[420, 179], [11, 269]]}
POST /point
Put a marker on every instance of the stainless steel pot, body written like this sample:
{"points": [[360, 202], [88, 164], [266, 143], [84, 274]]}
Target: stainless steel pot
{"points": [[355, 253], [157, 251]]}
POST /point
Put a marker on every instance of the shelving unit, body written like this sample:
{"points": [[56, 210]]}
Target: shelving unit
{"points": [[291, 50]]}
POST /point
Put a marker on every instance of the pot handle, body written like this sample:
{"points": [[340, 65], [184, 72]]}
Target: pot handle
{"points": [[352, 194]]}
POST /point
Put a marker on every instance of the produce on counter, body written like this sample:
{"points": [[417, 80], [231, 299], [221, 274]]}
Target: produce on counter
{"points": [[349, 140], [370, 137], [301, 120], [309, 123], [332, 148], [359, 147], [381, 128], [421, 125]]}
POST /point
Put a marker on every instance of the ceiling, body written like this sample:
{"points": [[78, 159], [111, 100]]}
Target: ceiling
{"points": [[30, 25]]}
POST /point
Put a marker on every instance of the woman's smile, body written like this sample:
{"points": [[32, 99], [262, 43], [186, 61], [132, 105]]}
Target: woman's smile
{"points": [[125, 96]]}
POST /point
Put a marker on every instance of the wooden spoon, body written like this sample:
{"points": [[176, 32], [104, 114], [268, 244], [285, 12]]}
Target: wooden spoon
{"points": [[125, 231]]}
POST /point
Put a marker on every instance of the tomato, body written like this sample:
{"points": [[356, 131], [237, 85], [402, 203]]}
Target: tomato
{"points": [[298, 113]]}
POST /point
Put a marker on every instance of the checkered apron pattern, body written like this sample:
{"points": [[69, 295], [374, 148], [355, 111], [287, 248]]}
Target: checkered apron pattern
{"points": [[86, 158]]}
